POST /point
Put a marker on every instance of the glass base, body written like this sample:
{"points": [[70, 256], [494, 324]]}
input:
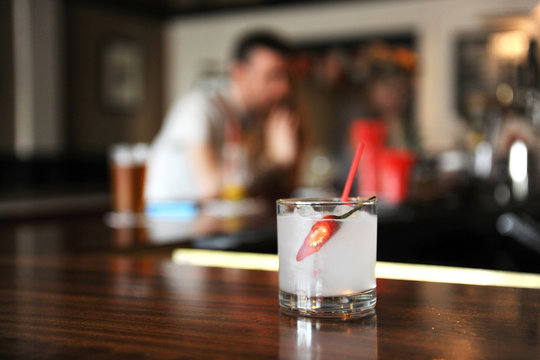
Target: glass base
{"points": [[333, 307]]}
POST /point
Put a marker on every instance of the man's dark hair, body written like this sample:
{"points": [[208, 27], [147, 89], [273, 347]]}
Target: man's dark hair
{"points": [[260, 39]]}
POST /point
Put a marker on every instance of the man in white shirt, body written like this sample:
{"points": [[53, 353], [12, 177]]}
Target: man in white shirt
{"points": [[207, 133]]}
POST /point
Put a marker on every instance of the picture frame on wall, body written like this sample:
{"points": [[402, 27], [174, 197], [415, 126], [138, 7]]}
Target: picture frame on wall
{"points": [[122, 75]]}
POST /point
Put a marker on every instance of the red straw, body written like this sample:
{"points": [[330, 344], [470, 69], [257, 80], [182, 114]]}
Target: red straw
{"points": [[352, 172]]}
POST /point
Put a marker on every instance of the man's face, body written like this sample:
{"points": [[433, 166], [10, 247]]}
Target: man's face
{"points": [[263, 79]]}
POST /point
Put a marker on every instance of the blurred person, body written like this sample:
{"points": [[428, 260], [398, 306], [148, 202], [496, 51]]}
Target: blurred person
{"points": [[382, 102], [388, 99], [243, 134]]}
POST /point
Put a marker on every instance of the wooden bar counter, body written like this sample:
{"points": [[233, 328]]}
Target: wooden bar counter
{"points": [[148, 307]]}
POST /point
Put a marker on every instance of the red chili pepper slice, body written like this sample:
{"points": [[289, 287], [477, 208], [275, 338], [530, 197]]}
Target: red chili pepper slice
{"points": [[320, 233], [323, 230]]}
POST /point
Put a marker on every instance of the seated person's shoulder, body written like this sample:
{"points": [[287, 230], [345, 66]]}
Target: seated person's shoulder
{"points": [[191, 116], [197, 103]]}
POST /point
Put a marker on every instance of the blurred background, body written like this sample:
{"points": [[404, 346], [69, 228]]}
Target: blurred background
{"points": [[457, 83]]}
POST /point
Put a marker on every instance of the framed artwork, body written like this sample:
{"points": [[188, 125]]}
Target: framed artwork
{"points": [[122, 75]]}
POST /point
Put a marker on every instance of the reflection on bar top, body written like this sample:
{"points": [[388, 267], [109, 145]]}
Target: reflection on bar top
{"points": [[385, 270]]}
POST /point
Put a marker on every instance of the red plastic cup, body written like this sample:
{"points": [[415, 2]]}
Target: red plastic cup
{"points": [[395, 170]]}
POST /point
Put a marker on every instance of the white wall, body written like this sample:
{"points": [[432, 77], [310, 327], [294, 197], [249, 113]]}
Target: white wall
{"points": [[189, 43], [38, 125]]}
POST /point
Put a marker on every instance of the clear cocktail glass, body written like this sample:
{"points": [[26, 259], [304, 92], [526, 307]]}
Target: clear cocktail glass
{"points": [[327, 252]]}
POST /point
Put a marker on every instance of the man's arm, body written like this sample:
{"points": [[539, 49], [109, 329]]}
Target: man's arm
{"points": [[278, 168], [281, 138]]}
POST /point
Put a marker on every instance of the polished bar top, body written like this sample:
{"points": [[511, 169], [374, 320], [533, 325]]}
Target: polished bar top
{"points": [[120, 306]]}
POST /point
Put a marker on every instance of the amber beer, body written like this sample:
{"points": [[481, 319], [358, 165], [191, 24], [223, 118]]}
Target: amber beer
{"points": [[128, 187], [127, 178]]}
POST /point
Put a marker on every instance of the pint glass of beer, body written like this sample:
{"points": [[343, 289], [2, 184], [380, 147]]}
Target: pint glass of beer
{"points": [[127, 168]]}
